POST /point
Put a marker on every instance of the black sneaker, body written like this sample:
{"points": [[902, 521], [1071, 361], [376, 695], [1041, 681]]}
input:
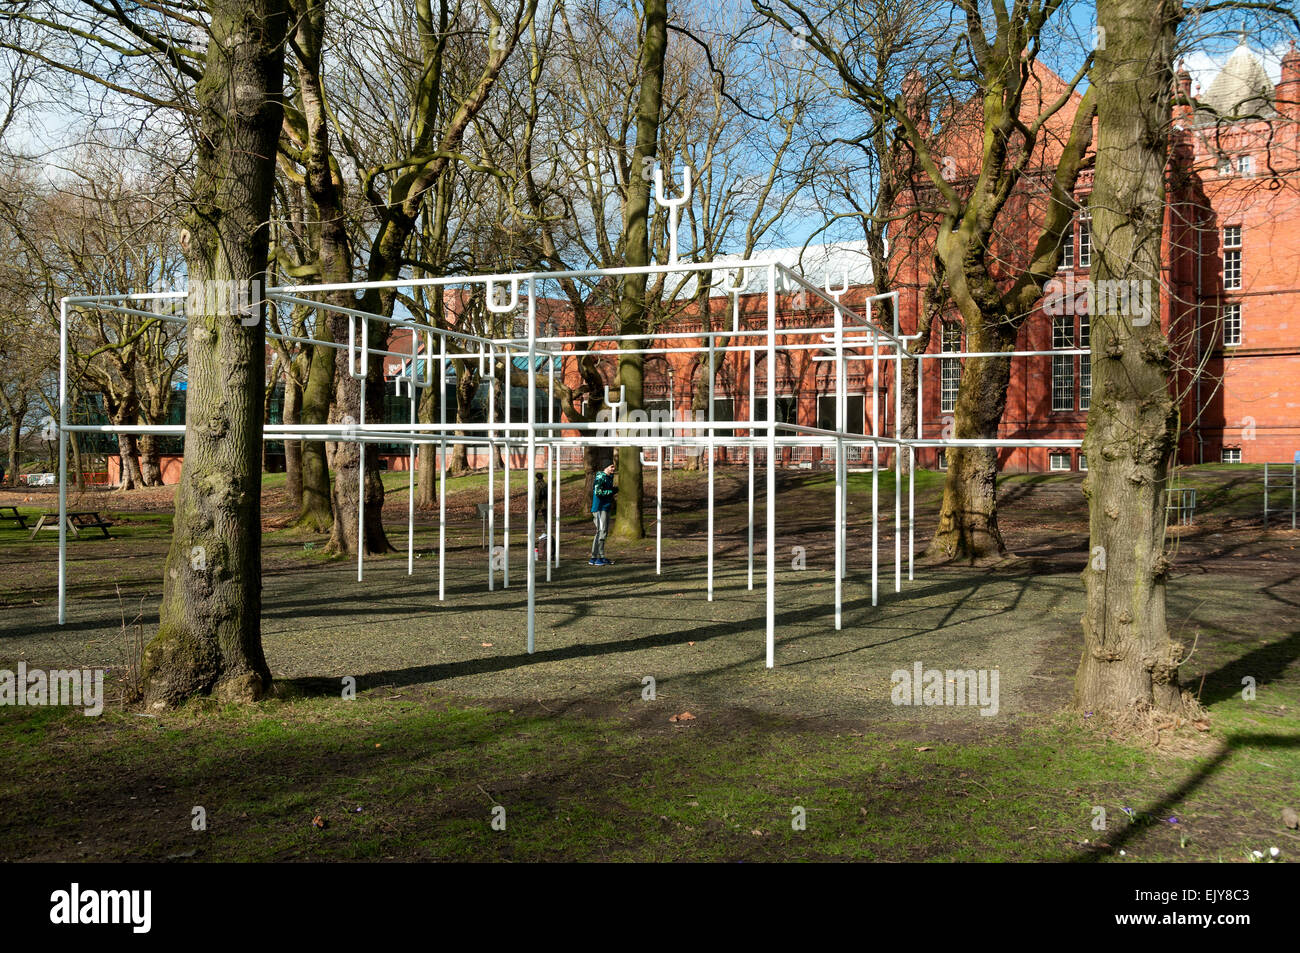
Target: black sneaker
{"points": [[593, 562], [604, 562]]}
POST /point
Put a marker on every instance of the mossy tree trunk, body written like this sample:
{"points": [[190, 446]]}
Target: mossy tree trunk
{"points": [[209, 633], [1130, 661]]}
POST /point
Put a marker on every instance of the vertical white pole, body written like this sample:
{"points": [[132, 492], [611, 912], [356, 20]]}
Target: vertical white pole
{"points": [[492, 463], [442, 468], [552, 451], [557, 506], [63, 461], [361, 456], [659, 511], [410, 502], [875, 468], [911, 482], [771, 466], [711, 455], [839, 523], [911, 508], [841, 470], [672, 413], [898, 464], [505, 465], [529, 557], [752, 448]]}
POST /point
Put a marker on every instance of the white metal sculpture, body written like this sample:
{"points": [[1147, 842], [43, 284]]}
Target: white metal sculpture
{"points": [[549, 436]]}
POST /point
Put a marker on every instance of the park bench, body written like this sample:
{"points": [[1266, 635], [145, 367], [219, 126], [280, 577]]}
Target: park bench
{"points": [[11, 513], [82, 519]]}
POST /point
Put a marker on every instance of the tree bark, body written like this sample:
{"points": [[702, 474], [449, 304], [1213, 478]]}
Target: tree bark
{"points": [[150, 466], [426, 477], [316, 512], [15, 444], [129, 455], [628, 522], [209, 633], [1130, 661]]}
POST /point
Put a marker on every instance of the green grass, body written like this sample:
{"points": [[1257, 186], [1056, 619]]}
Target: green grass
{"points": [[419, 778]]}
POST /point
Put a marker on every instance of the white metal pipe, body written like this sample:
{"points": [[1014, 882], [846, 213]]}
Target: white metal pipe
{"points": [[530, 552], [63, 462], [749, 551], [771, 467], [442, 471], [361, 484], [659, 511], [492, 472]]}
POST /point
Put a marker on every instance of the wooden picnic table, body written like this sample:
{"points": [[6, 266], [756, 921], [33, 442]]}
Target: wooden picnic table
{"points": [[77, 521], [13, 514]]}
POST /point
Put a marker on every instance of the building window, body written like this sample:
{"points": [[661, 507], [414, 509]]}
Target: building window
{"points": [[854, 412], [1083, 462], [1231, 455], [943, 459], [1085, 238], [1231, 325], [1085, 364], [1058, 460], [658, 411], [1224, 165], [949, 367], [1063, 365], [724, 408], [1232, 256], [787, 409], [1067, 247], [1245, 166]]}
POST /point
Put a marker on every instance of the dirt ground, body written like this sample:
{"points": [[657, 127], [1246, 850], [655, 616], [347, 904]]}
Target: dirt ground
{"points": [[602, 630]]}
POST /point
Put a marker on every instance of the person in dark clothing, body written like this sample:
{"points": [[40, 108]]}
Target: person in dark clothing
{"points": [[602, 508]]}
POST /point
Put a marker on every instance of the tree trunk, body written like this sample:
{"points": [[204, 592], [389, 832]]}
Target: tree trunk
{"points": [[317, 512], [15, 445], [78, 474], [426, 477], [968, 520], [346, 492], [150, 467], [128, 454], [1130, 661], [293, 448], [209, 633], [636, 218]]}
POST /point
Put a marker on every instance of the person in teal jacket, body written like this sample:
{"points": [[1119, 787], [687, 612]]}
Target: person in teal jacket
{"points": [[602, 508]]}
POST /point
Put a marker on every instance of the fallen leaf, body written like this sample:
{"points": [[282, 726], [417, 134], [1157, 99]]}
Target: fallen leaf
{"points": [[925, 748], [684, 716], [1290, 818], [318, 822], [690, 643], [486, 645], [1201, 725]]}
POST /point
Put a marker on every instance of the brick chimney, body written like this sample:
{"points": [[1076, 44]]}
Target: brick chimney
{"points": [[1182, 112], [917, 100]]}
